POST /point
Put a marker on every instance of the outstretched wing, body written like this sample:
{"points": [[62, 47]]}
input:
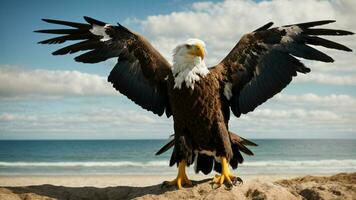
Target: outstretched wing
{"points": [[140, 71], [263, 62]]}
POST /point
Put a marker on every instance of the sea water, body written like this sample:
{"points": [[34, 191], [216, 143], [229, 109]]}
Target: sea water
{"points": [[103, 157]]}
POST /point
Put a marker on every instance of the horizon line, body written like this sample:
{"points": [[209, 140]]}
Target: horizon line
{"points": [[92, 139]]}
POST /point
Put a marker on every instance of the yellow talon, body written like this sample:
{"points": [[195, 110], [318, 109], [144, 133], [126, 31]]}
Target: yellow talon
{"points": [[225, 177], [181, 179]]}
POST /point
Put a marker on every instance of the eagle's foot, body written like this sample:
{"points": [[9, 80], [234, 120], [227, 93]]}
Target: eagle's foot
{"points": [[226, 177], [181, 180]]}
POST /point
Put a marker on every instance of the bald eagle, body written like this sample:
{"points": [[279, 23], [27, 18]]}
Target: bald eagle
{"points": [[199, 98]]}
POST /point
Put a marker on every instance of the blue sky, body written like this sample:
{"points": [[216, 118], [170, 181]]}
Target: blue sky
{"points": [[52, 97]]}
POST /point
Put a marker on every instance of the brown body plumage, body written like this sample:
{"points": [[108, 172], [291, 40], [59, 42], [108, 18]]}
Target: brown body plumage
{"points": [[208, 129]]}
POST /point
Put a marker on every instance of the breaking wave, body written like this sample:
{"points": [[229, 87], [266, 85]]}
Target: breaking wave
{"points": [[85, 164], [272, 163], [303, 163]]}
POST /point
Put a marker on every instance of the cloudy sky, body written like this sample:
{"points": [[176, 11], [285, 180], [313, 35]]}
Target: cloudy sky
{"points": [[48, 97]]}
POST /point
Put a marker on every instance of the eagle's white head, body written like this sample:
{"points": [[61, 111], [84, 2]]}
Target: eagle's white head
{"points": [[188, 63]]}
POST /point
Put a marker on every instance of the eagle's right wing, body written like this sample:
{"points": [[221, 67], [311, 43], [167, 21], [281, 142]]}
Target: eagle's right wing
{"points": [[263, 62], [140, 72]]}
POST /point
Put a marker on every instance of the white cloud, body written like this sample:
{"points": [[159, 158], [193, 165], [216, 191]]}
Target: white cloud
{"points": [[113, 117], [294, 123], [8, 117], [304, 115], [325, 78], [295, 114], [222, 24], [328, 100], [84, 123], [15, 81]]}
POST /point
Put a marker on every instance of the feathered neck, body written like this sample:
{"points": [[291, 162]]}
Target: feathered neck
{"points": [[188, 69]]}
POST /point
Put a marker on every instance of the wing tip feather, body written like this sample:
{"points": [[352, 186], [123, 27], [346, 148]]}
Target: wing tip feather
{"points": [[38, 31], [328, 59], [312, 24], [93, 21], [47, 20], [264, 27], [55, 53]]}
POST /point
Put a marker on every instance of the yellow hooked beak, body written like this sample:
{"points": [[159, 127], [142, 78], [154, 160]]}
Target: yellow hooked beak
{"points": [[198, 50]]}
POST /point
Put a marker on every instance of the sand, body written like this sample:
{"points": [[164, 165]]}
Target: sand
{"points": [[339, 186]]}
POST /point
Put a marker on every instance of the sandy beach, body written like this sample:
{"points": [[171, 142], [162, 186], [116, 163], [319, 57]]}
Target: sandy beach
{"points": [[339, 186]]}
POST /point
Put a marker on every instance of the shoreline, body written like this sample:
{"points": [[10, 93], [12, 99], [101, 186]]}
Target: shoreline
{"points": [[112, 180], [122, 180]]}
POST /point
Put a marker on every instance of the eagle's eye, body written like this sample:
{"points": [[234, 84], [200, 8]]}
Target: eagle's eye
{"points": [[188, 46]]}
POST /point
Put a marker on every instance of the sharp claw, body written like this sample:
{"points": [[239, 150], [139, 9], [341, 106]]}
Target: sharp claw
{"points": [[234, 183], [234, 180], [239, 180], [229, 186]]}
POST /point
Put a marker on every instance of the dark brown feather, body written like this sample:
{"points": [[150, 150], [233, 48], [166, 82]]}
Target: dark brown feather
{"points": [[61, 39], [94, 21], [205, 163], [321, 31], [80, 46], [326, 43], [311, 24], [63, 31], [66, 23], [264, 27], [307, 52], [165, 148]]}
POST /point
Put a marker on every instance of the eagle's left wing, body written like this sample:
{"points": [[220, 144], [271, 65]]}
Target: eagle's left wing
{"points": [[263, 62], [140, 72]]}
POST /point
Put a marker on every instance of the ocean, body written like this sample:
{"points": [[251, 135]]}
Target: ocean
{"points": [[116, 157]]}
